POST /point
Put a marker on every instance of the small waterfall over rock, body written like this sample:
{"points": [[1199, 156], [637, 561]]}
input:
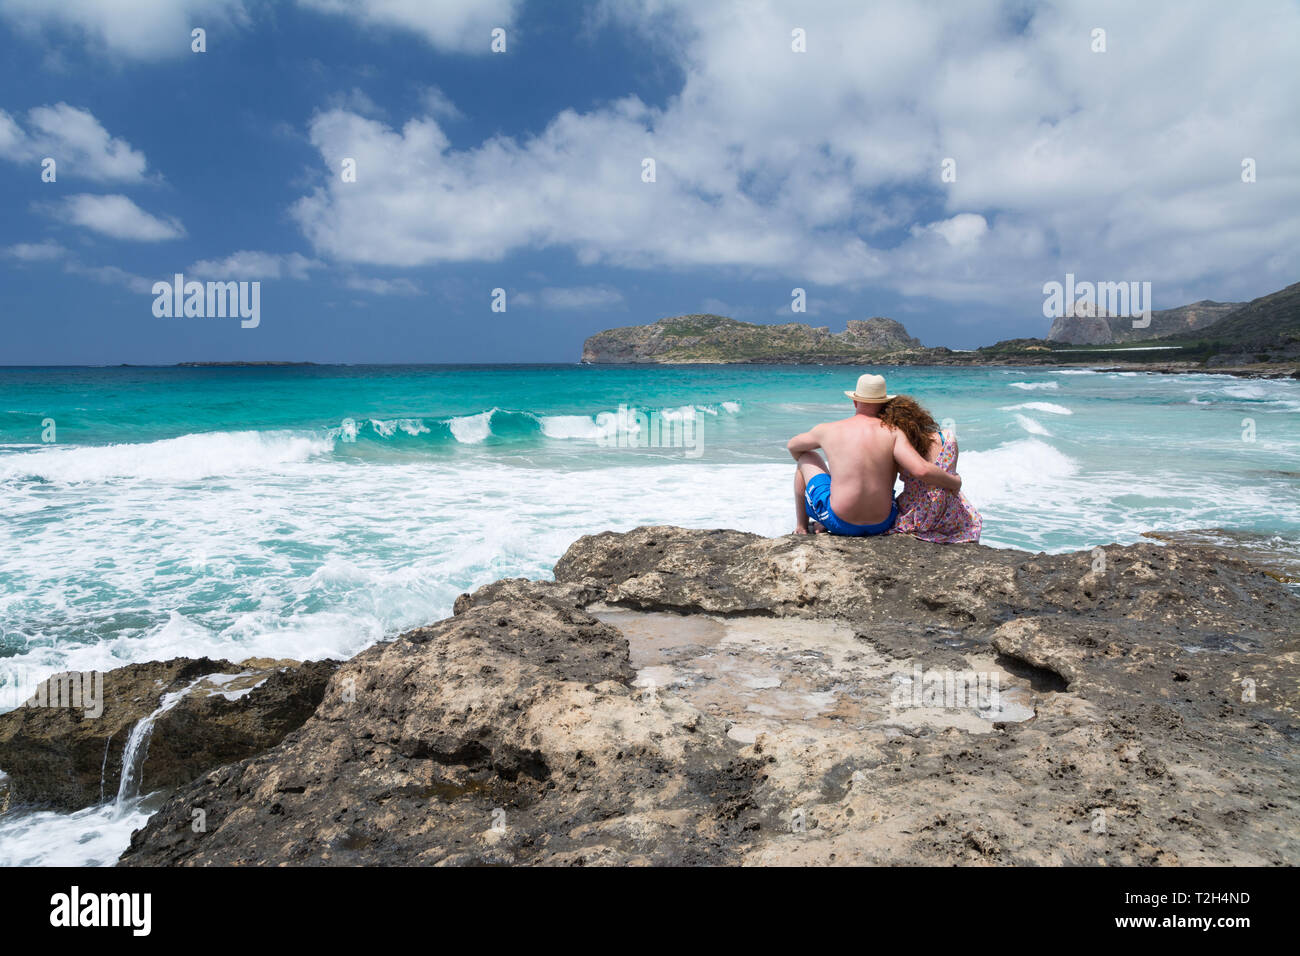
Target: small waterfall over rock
{"points": [[137, 748]]}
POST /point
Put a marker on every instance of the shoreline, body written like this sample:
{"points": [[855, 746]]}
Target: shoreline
{"points": [[1270, 371], [1265, 371]]}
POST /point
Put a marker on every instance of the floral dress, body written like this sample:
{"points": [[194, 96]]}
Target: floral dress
{"points": [[935, 514]]}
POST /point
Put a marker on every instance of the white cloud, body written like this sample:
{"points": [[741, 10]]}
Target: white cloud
{"points": [[580, 297], [715, 306], [137, 29], [961, 230], [247, 264], [382, 286], [579, 184], [356, 100], [116, 216], [50, 251], [460, 26], [75, 140], [34, 251], [816, 166], [110, 275], [438, 105]]}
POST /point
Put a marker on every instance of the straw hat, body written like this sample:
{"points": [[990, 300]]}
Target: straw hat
{"points": [[871, 389]]}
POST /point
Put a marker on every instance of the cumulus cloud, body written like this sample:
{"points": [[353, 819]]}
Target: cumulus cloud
{"points": [[570, 298], [34, 251], [438, 105], [963, 229], [117, 217], [459, 26], [247, 264], [75, 140], [28, 252], [715, 306], [382, 286], [136, 29], [110, 275], [579, 184], [356, 100], [825, 166]]}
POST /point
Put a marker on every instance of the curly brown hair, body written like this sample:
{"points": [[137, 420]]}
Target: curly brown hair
{"points": [[906, 414]]}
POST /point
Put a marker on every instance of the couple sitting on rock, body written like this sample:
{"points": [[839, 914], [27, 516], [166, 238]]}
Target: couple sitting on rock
{"points": [[886, 436]]}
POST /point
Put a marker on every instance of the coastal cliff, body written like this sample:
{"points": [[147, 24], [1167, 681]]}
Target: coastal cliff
{"points": [[716, 697], [1093, 326]]}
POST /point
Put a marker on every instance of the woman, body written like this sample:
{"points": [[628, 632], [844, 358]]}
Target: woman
{"points": [[926, 512]]}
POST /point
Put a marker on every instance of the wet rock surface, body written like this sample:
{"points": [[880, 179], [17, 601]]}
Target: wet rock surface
{"points": [[64, 749], [683, 696]]}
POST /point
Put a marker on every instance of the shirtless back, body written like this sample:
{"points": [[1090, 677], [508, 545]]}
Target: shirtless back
{"points": [[863, 458], [860, 455]]}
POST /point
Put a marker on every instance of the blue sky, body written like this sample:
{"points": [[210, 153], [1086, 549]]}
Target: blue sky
{"points": [[775, 168]]}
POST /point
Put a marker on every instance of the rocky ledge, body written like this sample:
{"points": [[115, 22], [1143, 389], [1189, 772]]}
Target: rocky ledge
{"points": [[715, 697], [67, 750]]}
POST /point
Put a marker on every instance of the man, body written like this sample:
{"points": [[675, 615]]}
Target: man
{"points": [[863, 458]]}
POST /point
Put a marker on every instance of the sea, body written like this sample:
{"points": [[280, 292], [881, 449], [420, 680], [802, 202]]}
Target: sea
{"points": [[311, 511]]}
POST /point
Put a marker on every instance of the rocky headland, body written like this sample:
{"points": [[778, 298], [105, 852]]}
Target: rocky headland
{"points": [[715, 697], [1260, 338], [717, 339], [1090, 325]]}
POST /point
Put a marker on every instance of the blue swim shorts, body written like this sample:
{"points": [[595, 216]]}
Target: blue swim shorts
{"points": [[817, 498]]}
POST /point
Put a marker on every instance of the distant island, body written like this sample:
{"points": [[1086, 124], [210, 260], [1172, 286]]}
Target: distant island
{"points": [[1261, 337], [238, 364]]}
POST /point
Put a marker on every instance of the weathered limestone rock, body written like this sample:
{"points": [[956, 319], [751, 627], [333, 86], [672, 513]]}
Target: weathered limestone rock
{"points": [[682, 696]]}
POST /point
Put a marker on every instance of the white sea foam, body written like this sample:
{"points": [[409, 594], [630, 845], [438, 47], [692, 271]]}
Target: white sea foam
{"points": [[472, 429], [591, 429], [1031, 426], [1246, 391], [1048, 407], [92, 837], [1034, 386], [388, 428], [1267, 396], [570, 426], [187, 458], [1018, 479]]}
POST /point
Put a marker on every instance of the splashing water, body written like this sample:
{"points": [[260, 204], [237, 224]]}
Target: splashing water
{"points": [[137, 750]]}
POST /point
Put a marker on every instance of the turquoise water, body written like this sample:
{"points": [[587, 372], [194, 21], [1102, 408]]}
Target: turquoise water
{"points": [[309, 512]]}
